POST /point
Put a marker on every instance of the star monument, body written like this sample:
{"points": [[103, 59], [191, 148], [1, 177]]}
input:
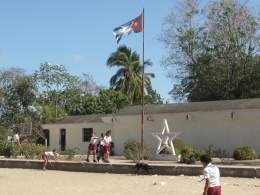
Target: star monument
{"points": [[165, 139]]}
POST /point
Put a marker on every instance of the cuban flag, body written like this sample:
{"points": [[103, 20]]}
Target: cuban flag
{"points": [[134, 25]]}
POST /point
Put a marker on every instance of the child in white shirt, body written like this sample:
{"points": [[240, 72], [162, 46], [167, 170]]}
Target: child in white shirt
{"points": [[49, 155], [211, 175], [16, 138], [92, 147], [106, 148]]}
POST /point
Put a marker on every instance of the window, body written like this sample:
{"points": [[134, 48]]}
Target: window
{"points": [[86, 134]]}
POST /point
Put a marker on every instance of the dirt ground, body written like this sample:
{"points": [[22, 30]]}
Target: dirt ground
{"points": [[37, 182]]}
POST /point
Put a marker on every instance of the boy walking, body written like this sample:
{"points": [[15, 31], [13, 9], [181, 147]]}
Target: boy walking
{"points": [[211, 175]]}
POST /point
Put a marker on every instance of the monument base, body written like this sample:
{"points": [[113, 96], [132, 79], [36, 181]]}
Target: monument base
{"points": [[165, 157]]}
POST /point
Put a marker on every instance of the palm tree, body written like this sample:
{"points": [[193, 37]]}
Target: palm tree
{"points": [[128, 77]]}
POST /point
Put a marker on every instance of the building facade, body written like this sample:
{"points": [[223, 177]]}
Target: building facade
{"points": [[225, 124], [75, 131]]}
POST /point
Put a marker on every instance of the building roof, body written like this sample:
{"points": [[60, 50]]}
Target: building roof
{"points": [[167, 108], [92, 118], [193, 107]]}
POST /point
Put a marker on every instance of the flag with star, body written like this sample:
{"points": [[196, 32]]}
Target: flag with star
{"points": [[134, 25]]}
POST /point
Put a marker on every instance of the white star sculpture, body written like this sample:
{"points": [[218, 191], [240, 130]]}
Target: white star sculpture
{"points": [[166, 138]]}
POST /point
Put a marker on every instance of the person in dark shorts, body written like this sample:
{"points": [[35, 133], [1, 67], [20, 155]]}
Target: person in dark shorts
{"points": [[100, 145]]}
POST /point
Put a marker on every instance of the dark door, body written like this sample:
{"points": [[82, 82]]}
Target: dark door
{"points": [[63, 139], [41, 139], [46, 133]]}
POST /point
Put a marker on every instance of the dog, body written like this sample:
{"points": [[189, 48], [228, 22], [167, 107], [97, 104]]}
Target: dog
{"points": [[142, 166]]}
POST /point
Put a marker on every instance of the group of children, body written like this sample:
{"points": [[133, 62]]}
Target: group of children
{"points": [[211, 173], [100, 147]]}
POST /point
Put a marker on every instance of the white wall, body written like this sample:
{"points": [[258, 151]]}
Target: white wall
{"points": [[203, 129], [73, 134]]}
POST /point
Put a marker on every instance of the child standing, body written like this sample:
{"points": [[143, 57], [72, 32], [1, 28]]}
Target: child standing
{"points": [[48, 155], [92, 149], [211, 175], [106, 148], [16, 138], [100, 149]]}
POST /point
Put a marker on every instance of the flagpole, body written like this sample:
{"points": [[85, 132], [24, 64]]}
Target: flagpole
{"points": [[142, 99]]}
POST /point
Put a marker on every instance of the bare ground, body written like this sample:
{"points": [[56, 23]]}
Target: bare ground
{"points": [[38, 182]]}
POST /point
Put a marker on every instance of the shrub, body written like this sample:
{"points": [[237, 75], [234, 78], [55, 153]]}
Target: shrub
{"points": [[219, 153], [188, 156], [197, 153], [7, 149], [244, 153], [216, 152], [3, 133], [209, 150], [70, 151], [179, 145], [31, 150], [132, 150]]}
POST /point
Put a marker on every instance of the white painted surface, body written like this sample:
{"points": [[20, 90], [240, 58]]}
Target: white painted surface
{"points": [[74, 134], [200, 130]]}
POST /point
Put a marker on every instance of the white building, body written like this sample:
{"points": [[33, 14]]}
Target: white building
{"points": [[225, 124]]}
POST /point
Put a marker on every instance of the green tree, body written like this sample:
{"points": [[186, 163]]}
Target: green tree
{"points": [[213, 51], [106, 101], [89, 104], [111, 101], [17, 95], [52, 80], [47, 113], [54, 77], [152, 97], [88, 85], [127, 79]]}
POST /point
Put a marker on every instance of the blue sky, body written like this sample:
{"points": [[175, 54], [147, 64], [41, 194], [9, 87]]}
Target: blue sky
{"points": [[78, 34]]}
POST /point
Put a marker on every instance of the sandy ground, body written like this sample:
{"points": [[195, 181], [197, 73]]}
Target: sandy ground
{"points": [[37, 182]]}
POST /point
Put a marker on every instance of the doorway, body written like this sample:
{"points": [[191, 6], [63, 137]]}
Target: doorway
{"points": [[62, 139]]}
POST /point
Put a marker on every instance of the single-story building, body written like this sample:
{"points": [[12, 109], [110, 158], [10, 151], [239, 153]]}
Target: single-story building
{"points": [[74, 131], [225, 124]]}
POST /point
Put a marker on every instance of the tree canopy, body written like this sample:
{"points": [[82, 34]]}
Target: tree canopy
{"points": [[51, 93], [213, 52], [128, 77]]}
